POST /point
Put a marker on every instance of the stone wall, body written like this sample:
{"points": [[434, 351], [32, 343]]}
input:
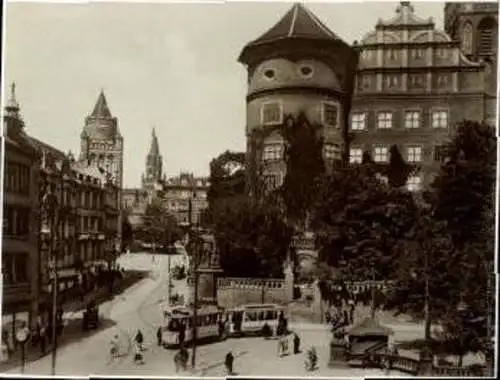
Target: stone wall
{"points": [[232, 292]]}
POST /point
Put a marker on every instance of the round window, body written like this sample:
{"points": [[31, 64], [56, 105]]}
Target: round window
{"points": [[269, 73], [306, 71]]}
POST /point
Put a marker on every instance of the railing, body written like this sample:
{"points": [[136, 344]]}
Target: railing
{"points": [[412, 366], [249, 283]]}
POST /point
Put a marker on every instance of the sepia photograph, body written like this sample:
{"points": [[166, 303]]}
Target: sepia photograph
{"points": [[219, 189]]}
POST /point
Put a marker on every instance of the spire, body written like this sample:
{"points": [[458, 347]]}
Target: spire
{"points": [[12, 104], [101, 109], [154, 148]]}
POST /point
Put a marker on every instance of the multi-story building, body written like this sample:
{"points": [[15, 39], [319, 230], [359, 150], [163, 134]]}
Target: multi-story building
{"points": [[413, 85], [176, 192], [102, 144], [181, 191], [79, 221], [20, 214], [297, 66], [58, 213]]}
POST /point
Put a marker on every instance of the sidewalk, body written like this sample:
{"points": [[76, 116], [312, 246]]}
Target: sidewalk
{"points": [[73, 319]]}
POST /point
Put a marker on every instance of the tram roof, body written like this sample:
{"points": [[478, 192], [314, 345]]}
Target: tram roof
{"points": [[259, 306], [185, 311]]}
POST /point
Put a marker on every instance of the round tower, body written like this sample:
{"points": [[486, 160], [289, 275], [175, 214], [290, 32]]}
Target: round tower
{"points": [[297, 66]]}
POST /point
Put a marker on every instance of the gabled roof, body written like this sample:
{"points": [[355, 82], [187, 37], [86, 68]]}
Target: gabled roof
{"points": [[405, 15], [46, 148], [101, 108]]}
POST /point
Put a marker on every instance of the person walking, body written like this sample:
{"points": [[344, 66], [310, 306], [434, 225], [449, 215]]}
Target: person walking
{"points": [[228, 362], [296, 344], [352, 307], [114, 348], [139, 339], [182, 335], [159, 336], [138, 357]]}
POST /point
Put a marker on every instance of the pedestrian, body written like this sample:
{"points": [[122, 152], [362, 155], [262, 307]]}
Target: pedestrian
{"points": [[352, 308], [178, 361], [138, 357], [296, 344], [43, 338], [182, 335], [159, 334], [228, 362], [139, 339]]}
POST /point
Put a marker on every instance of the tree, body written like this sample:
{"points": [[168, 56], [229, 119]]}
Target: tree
{"points": [[304, 165], [127, 232], [251, 237], [158, 227], [359, 221]]}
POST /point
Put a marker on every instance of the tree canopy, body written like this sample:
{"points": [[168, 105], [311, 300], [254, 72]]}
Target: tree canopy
{"points": [[158, 227]]}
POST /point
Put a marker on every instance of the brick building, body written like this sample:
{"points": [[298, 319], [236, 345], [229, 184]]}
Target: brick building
{"points": [[414, 83], [20, 214], [297, 66]]}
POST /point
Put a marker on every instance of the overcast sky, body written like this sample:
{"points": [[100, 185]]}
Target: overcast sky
{"points": [[173, 66]]}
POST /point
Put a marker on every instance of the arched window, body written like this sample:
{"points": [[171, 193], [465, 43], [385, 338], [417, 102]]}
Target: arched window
{"points": [[467, 38], [487, 36]]}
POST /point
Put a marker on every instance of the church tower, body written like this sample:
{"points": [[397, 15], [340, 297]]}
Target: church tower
{"points": [[475, 25], [154, 165], [101, 141], [299, 66]]}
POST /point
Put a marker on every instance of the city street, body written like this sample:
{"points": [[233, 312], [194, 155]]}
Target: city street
{"points": [[140, 308]]}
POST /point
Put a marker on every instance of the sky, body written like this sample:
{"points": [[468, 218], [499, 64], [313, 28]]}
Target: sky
{"points": [[172, 66]]}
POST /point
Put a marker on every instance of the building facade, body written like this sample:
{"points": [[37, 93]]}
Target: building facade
{"points": [[20, 215], [181, 191], [102, 145], [297, 66], [176, 193], [414, 84]]}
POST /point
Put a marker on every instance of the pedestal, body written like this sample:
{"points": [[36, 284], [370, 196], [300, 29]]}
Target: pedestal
{"points": [[425, 366], [207, 286]]}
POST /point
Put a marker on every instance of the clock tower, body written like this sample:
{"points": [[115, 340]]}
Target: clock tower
{"points": [[101, 141]]}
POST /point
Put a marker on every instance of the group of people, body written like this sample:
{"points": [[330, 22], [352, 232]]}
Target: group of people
{"points": [[342, 315], [138, 345]]}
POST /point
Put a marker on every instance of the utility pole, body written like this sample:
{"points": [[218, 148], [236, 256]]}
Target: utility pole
{"points": [[373, 293], [194, 260]]}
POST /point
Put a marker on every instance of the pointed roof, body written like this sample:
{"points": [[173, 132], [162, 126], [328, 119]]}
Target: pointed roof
{"points": [[405, 15], [12, 104], [101, 109], [154, 149], [298, 22]]}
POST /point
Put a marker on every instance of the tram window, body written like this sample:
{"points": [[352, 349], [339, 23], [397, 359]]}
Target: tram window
{"points": [[208, 320], [251, 316], [262, 315], [270, 315], [174, 325]]}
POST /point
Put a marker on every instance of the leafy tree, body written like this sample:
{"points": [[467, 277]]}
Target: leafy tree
{"points": [[304, 165], [158, 227], [359, 222], [251, 237]]}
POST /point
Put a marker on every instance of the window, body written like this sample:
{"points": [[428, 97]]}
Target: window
{"points": [[391, 81], [355, 155], [416, 81], [272, 152], [306, 71], [412, 119], [487, 36], [381, 154], [439, 119], [414, 183], [391, 54], [330, 114], [414, 154], [442, 53], [358, 121], [442, 80], [332, 152], [272, 113], [467, 39], [384, 120], [440, 153], [272, 181], [417, 53], [365, 82]]}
